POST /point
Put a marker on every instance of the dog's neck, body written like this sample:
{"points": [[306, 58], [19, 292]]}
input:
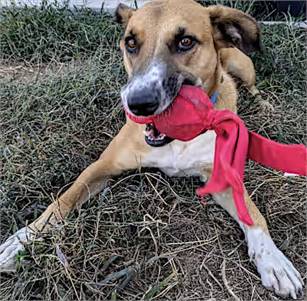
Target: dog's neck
{"points": [[213, 84]]}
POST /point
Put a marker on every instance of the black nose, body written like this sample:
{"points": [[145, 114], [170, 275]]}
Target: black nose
{"points": [[143, 103]]}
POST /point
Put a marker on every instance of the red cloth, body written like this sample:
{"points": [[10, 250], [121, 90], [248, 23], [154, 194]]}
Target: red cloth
{"points": [[192, 113]]}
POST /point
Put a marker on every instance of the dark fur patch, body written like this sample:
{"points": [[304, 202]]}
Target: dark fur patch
{"points": [[235, 28], [123, 14], [118, 17]]}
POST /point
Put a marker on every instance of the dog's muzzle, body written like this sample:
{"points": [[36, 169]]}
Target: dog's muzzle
{"points": [[151, 93]]}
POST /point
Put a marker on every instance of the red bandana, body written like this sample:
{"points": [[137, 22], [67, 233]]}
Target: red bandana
{"points": [[192, 114]]}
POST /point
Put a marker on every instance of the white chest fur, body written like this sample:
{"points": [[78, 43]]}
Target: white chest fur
{"points": [[183, 158]]}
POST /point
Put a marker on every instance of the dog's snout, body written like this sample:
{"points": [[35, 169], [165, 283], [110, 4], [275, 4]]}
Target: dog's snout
{"points": [[151, 91], [143, 102]]}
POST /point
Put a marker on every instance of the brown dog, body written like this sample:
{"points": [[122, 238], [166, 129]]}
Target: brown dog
{"points": [[168, 43]]}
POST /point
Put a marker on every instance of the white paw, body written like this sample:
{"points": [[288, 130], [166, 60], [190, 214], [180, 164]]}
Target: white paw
{"points": [[276, 271], [11, 247]]}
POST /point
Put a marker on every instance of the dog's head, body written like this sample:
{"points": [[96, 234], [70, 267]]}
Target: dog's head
{"points": [[168, 43]]}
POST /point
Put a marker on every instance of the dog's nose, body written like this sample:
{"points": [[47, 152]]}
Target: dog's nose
{"points": [[143, 103]]}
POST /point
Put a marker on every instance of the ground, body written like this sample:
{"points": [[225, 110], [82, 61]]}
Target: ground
{"points": [[60, 78]]}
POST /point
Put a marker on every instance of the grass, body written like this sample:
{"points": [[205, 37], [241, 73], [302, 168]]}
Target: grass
{"points": [[53, 33], [60, 107]]}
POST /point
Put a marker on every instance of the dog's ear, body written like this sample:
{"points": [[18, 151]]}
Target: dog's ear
{"points": [[123, 13], [232, 27]]}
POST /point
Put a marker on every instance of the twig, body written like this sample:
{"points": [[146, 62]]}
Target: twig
{"points": [[130, 275], [226, 283], [109, 262], [210, 273], [301, 24]]}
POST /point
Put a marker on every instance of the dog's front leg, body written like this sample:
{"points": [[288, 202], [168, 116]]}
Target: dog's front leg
{"points": [[276, 271], [125, 152]]}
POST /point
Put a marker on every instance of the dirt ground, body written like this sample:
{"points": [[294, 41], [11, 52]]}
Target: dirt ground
{"points": [[60, 107]]}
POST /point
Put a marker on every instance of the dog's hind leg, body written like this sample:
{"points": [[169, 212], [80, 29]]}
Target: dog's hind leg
{"points": [[238, 64], [241, 66], [124, 152], [276, 271]]}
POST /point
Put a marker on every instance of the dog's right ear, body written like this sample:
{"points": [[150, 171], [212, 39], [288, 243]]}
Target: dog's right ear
{"points": [[123, 13]]}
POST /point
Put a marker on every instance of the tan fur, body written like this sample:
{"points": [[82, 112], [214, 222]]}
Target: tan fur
{"points": [[236, 63], [156, 23], [127, 149], [125, 152]]}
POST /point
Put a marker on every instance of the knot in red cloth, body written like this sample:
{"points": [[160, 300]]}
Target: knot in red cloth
{"points": [[192, 114]]}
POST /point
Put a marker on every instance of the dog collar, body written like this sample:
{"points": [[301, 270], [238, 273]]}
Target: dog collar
{"points": [[214, 97]]}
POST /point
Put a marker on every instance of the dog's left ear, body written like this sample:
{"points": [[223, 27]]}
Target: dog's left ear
{"points": [[233, 28], [123, 13]]}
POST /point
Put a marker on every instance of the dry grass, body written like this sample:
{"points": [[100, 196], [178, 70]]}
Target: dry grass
{"points": [[58, 115]]}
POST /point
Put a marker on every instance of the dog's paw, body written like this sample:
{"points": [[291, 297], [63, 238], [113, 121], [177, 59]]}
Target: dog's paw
{"points": [[12, 247], [276, 271]]}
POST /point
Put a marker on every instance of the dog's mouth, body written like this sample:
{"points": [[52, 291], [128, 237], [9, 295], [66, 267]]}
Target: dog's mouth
{"points": [[152, 136]]}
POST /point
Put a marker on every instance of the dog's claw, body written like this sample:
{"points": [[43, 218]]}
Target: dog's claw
{"points": [[276, 271], [11, 247]]}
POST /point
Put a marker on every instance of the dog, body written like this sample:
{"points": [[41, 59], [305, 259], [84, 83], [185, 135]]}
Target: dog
{"points": [[168, 43]]}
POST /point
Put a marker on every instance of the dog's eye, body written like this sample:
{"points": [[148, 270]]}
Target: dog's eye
{"points": [[131, 44], [185, 44]]}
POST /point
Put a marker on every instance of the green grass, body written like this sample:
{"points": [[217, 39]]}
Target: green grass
{"points": [[60, 107], [54, 33]]}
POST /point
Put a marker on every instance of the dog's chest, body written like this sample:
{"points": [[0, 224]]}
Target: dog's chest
{"points": [[184, 158]]}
